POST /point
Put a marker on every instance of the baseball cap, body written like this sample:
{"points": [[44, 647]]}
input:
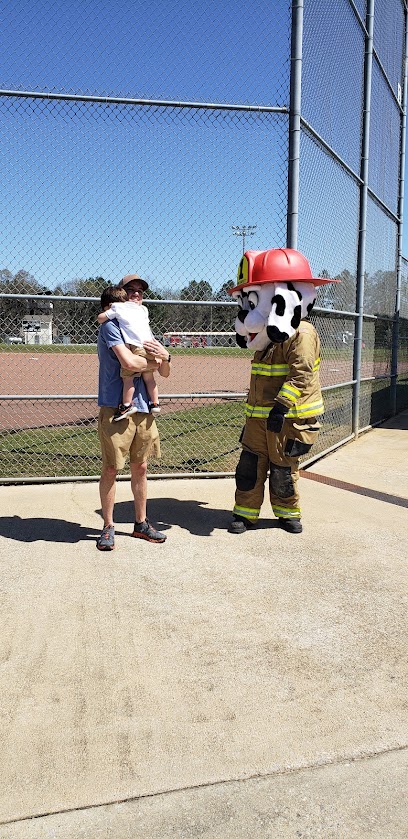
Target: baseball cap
{"points": [[130, 277]]}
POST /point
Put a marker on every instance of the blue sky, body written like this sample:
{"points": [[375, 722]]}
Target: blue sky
{"points": [[99, 191], [167, 50]]}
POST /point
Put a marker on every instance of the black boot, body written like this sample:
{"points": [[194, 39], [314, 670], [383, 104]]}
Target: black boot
{"points": [[239, 525], [291, 525]]}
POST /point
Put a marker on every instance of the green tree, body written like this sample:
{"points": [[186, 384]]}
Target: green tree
{"points": [[76, 319], [196, 318], [13, 310], [158, 314], [224, 316], [380, 293], [340, 295], [222, 293], [200, 290]]}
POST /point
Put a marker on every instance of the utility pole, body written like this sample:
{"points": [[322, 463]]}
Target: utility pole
{"points": [[243, 230]]}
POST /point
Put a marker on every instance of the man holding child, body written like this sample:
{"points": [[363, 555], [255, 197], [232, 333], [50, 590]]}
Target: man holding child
{"points": [[137, 435]]}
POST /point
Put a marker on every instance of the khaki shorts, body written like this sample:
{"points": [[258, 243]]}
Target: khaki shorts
{"points": [[128, 373], [137, 437]]}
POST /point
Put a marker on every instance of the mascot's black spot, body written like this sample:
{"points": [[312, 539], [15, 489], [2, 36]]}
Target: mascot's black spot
{"points": [[310, 307], [241, 341], [291, 287], [297, 316], [280, 304], [275, 335], [242, 315]]}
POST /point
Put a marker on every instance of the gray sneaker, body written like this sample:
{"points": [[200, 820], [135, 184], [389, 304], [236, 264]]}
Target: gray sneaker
{"points": [[144, 530], [106, 541]]}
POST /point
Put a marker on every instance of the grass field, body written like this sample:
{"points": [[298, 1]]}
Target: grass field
{"points": [[196, 438], [202, 439]]}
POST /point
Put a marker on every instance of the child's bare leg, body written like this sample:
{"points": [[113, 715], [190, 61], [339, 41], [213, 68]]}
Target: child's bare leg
{"points": [[126, 408], [152, 389], [128, 388]]}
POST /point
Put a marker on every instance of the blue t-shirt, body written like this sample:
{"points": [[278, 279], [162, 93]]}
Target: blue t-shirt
{"points": [[110, 385]]}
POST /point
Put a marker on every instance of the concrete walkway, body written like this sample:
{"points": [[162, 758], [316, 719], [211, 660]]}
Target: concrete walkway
{"points": [[215, 686]]}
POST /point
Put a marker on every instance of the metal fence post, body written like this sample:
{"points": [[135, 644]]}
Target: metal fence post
{"points": [[395, 330], [365, 142], [294, 123]]}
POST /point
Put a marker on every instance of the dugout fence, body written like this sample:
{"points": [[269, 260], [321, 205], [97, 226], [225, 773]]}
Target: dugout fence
{"points": [[305, 149]]}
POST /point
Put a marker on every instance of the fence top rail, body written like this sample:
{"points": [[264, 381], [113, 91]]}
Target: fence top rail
{"points": [[164, 396], [56, 297], [228, 303], [319, 310], [161, 103]]}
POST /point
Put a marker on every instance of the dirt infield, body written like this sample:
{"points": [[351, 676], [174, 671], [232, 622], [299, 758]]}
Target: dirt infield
{"points": [[63, 373], [66, 374], [50, 374], [53, 374]]}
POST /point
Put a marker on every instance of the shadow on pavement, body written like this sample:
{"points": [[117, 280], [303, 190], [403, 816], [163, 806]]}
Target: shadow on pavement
{"points": [[398, 423], [194, 516], [48, 530]]}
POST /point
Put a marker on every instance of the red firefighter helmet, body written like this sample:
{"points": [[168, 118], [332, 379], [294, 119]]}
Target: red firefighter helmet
{"points": [[278, 265]]}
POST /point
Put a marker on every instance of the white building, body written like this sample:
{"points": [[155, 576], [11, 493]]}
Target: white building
{"points": [[37, 329]]}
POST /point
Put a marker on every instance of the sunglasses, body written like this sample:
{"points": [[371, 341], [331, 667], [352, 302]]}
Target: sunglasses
{"points": [[132, 290]]}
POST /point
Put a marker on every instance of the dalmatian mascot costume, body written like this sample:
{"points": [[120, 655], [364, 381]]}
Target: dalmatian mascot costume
{"points": [[275, 292]]}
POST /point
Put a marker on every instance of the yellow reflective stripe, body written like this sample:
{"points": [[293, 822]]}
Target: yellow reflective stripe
{"points": [[256, 411], [246, 512], [289, 392], [259, 369], [286, 512], [309, 409], [270, 369]]}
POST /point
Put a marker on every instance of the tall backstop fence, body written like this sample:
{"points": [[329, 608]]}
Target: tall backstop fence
{"points": [[284, 124]]}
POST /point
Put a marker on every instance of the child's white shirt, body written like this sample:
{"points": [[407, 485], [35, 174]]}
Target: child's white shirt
{"points": [[133, 320]]}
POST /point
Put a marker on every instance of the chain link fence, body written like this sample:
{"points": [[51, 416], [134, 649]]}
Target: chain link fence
{"points": [[172, 166]]}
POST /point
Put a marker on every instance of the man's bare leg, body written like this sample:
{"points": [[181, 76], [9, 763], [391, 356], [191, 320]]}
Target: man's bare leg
{"points": [[143, 528], [107, 490], [138, 478], [107, 493]]}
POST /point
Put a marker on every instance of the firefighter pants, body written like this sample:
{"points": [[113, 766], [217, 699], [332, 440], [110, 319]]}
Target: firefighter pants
{"points": [[264, 451]]}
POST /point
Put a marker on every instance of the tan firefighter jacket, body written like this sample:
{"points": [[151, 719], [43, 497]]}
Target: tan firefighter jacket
{"points": [[288, 372]]}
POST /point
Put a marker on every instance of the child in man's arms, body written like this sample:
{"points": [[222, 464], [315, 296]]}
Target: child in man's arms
{"points": [[133, 319]]}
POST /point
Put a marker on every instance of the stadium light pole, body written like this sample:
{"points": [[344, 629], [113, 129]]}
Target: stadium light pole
{"points": [[243, 230]]}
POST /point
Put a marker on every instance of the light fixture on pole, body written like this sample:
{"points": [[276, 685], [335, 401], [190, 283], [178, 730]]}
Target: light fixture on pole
{"points": [[243, 230]]}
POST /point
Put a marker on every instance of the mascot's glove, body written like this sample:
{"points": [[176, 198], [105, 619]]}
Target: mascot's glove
{"points": [[276, 417]]}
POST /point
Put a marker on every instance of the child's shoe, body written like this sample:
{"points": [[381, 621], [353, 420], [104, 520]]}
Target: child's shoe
{"points": [[154, 408], [123, 411]]}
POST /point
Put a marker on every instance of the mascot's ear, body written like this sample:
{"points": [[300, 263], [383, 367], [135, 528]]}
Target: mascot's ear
{"points": [[241, 341], [307, 294]]}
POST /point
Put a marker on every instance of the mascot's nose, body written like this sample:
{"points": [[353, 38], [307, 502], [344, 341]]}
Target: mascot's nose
{"points": [[275, 335], [242, 315]]}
